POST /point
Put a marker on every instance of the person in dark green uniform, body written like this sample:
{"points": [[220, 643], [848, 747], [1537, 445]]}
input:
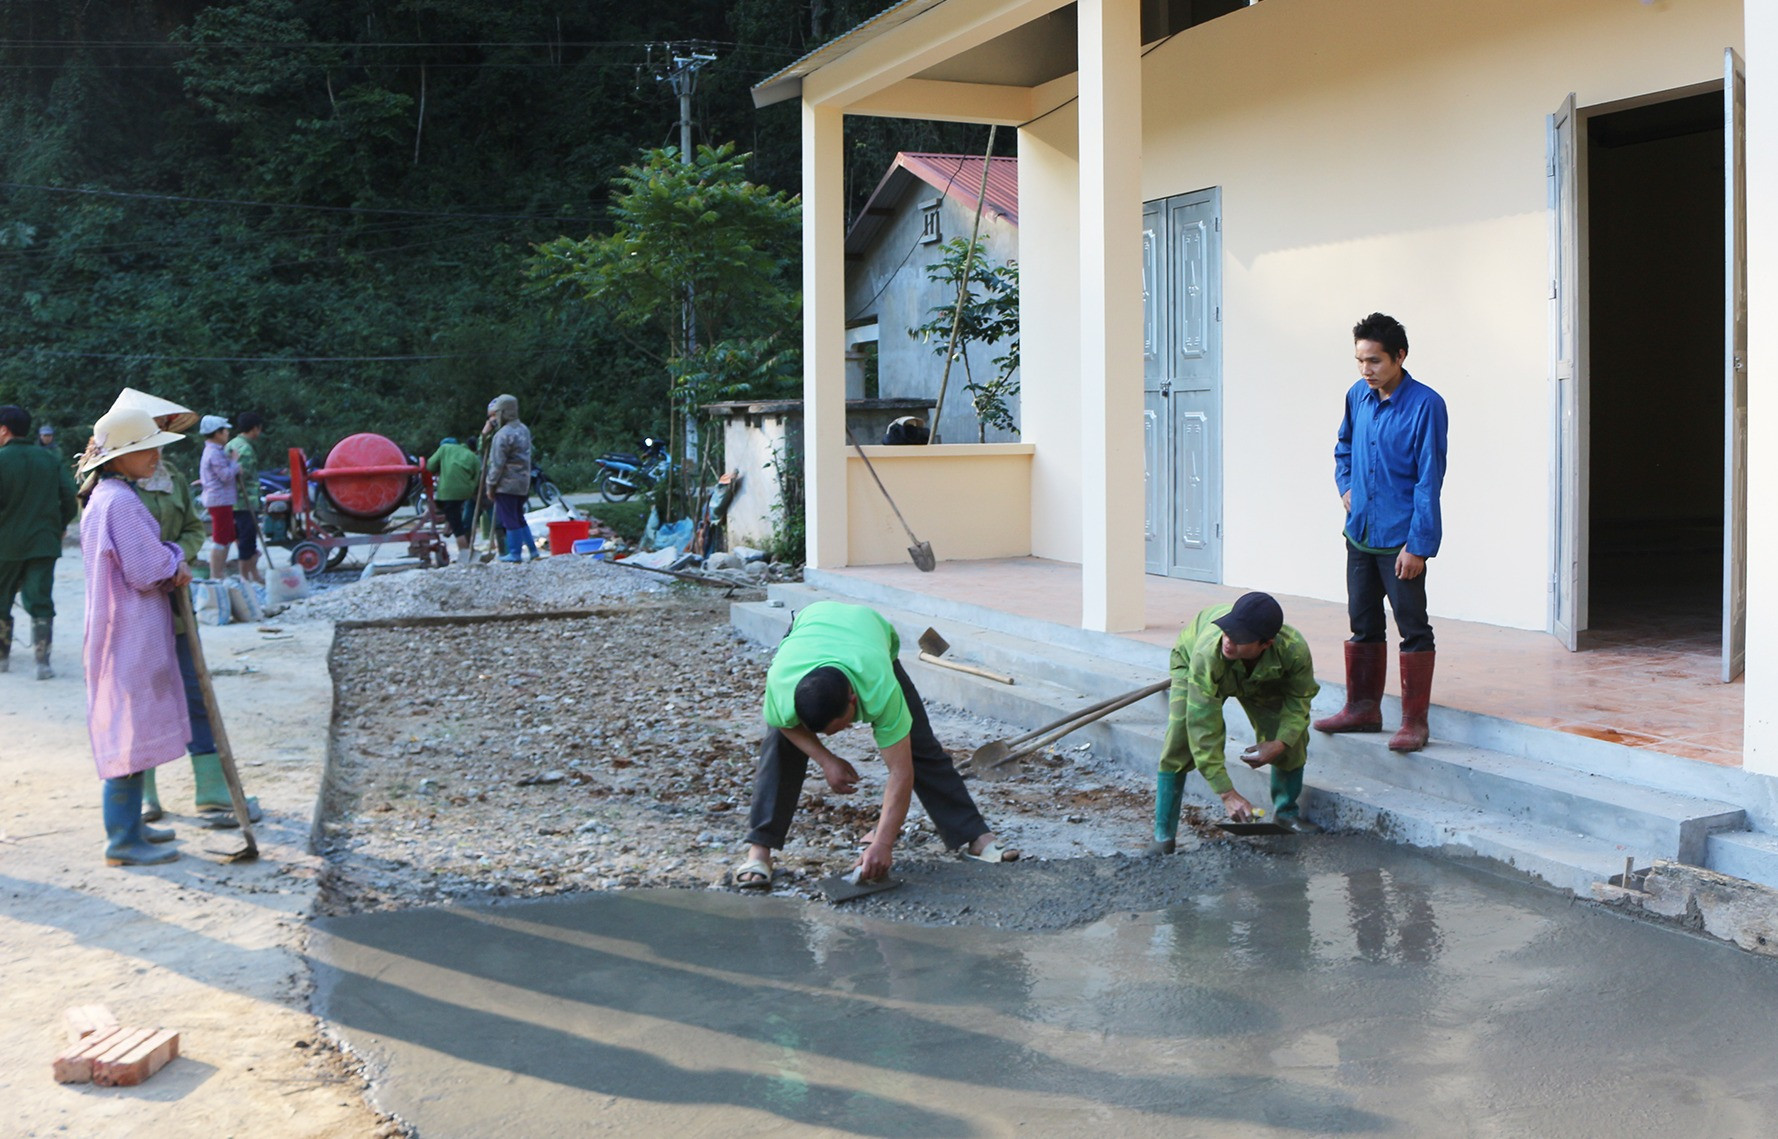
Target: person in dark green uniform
{"points": [[834, 668], [1247, 652], [36, 504], [459, 472]]}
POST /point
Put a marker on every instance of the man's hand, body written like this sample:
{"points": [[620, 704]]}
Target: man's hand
{"points": [[1346, 501], [180, 579], [842, 777], [1239, 809], [876, 860], [1409, 566], [1259, 755]]}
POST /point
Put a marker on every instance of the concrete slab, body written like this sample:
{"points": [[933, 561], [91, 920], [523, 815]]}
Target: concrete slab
{"points": [[1326, 988]]}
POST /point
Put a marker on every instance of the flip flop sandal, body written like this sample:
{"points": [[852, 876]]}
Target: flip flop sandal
{"points": [[993, 852], [762, 879]]}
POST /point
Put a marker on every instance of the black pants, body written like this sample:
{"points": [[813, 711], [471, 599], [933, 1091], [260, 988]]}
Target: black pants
{"points": [[1370, 578], [778, 783]]}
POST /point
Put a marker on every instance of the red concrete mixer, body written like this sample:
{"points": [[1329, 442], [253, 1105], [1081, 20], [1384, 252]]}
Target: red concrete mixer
{"points": [[364, 481]]}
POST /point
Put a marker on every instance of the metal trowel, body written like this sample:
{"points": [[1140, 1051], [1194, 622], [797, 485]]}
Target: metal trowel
{"points": [[1263, 826], [845, 887]]}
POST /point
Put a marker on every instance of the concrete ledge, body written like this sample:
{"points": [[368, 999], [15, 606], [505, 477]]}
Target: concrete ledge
{"points": [[1727, 908]]}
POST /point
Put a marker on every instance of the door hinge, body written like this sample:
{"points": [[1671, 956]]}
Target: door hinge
{"points": [[1219, 313], [1218, 224], [1219, 529], [1553, 289]]}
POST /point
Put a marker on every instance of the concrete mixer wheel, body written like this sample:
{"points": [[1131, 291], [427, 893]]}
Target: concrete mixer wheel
{"points": [[309, 555]]}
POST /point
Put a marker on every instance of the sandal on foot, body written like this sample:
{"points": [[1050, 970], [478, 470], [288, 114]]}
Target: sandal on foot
{"points": [[753, 875], [993, 852]]}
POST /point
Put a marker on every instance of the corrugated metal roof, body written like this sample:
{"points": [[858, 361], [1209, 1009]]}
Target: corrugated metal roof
{"points": [[956, 176]]}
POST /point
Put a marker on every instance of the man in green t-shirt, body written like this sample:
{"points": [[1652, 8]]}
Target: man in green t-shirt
{"points": [[458, 471], [834, 668], [1247, 652], [248, 428]]}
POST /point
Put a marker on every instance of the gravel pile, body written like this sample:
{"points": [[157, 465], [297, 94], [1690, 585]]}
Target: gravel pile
{"points": [[531, 587], [521, 759]]}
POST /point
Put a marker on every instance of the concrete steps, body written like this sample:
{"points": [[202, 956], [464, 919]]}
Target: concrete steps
{"points": [[1523, 796]]}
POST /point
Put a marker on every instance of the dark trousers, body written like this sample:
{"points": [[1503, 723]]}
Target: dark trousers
{"points": [[203, 742], [1369, 579], [778, 783], [31, 580]]}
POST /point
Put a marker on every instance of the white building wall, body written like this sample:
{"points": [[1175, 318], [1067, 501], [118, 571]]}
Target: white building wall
{"points": [[1761, 747], [1357, 176]]}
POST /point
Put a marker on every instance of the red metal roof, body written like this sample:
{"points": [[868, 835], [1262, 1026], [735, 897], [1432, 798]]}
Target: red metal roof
{"points": [[956, 176]]}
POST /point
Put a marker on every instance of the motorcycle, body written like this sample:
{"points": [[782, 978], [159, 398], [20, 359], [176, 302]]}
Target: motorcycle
{"points": [[625, 474]]}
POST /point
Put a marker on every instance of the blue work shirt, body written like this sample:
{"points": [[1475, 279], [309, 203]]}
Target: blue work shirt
{"points": [[1391, 456]]}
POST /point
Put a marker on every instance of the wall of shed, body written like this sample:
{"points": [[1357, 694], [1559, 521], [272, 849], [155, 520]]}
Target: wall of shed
{"points": [[890, 284]]}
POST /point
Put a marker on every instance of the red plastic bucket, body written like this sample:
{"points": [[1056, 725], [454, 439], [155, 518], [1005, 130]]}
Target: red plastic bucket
{"points": [[563, 535]]}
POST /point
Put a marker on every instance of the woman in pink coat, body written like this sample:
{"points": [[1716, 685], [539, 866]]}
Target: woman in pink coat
{"points": [[135, 701]]}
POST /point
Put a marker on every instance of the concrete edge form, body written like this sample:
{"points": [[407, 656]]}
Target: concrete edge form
{"points": [[1724, 907]]}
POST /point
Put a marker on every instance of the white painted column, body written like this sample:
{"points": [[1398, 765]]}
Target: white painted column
{"points": [[824, 336], [1110, 113], [1049, 331], [1761, 695]]}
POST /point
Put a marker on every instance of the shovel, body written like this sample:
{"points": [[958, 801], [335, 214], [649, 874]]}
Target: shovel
{"points": [[933, 647], [845, 887], [920, 551], [250, 852], [994, 761]]}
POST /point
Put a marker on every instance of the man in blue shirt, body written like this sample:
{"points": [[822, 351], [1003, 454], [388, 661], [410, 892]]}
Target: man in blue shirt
{"points": [[1389, 467]]}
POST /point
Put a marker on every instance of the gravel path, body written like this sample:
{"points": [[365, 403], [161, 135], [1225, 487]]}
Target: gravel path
{"points": [[526, 758]]}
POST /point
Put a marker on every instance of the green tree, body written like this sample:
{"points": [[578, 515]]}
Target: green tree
{"points": [[990, 317], [700, 260]]}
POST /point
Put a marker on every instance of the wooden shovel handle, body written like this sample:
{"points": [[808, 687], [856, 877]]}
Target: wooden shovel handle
{"points": [[957, 666], [1043, 737], [225, 753]]}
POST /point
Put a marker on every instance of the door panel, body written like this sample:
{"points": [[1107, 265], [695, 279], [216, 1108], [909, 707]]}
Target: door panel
{"points": [[1569, 487], [1196, 397], [1155, 385], [1734, 516]]}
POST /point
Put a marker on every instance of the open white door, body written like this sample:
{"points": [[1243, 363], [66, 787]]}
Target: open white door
{"points": [[1734, 507], [1568, 601]]}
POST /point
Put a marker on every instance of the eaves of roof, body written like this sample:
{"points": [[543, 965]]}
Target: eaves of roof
{"points": [[788, 83]]}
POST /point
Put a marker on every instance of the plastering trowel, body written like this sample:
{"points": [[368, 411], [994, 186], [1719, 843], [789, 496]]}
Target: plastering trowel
{"points": [[845, 887], [1258, 826]]}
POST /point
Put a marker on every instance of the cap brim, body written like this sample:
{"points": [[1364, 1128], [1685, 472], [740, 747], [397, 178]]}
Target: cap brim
{"points": [[1237, 632], [158, 439]]}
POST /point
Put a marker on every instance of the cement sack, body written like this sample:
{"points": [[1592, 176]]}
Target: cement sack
{"points": [[209, 600], [286, 585], [243, 601]]}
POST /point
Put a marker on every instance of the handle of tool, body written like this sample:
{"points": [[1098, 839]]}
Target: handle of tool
{"points": [[481, 483], [182, 601], [958, 666], [1043, 737], [880, 486]]}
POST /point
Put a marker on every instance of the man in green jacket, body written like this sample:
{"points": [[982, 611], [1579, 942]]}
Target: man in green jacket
{"points": [[458, 472], [1245, 651], [36, 505]]}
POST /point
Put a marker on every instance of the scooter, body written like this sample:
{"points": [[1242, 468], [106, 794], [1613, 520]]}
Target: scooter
{"points": [[624, 474]]}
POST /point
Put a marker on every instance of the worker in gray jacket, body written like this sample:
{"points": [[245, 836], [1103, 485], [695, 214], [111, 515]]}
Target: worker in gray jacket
{"points": [[507, 477]]}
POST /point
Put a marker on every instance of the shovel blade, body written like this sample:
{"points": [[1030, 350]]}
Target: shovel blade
{"points": [[932, 642], [843, 888], [994, 762], [922, 555]]}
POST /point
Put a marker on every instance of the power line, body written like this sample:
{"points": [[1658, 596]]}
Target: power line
{"points": [[276, 359], [285, 205]]}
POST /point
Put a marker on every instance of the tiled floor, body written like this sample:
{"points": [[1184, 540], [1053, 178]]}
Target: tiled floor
{"points": [[1642, 682]]}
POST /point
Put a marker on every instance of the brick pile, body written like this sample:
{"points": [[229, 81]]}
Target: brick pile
{"points": [[101, 1052]]}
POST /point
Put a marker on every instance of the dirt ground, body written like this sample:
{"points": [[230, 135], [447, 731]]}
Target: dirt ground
{"points": [[471, 762]]}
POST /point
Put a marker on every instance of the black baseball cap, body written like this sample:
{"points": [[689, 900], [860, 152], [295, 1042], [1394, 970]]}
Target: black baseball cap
{"points": [[1255, 617]]}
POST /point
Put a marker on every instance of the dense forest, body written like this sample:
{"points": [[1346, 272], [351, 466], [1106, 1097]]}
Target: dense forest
{"points": [[324, 210]]}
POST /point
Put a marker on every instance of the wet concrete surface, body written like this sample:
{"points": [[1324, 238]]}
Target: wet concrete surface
{"points": [[1328, 986]]}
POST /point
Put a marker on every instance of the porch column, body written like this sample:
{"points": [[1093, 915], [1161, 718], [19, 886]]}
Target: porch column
{"points": [[1760, 717], [824, 336], [1110, 112]]}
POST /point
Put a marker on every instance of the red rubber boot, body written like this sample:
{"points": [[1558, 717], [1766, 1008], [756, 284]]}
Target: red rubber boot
{"points": [[1366, 666], [1416, 698]]}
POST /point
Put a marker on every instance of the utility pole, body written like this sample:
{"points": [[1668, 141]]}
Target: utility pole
{"points": [[686, 59]]}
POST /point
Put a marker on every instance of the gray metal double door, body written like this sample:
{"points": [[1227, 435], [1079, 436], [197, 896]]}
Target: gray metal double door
{"points": [[1182, 384]]}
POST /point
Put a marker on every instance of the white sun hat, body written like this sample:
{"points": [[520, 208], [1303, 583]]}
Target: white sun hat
{"points": [[184, 418], [122, 431]]}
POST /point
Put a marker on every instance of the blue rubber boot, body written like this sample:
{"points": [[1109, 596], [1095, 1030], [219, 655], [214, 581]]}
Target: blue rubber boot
{"points": [[125, 843], [1287, 788], [1169, 790], [528, 542], [512, 547]]}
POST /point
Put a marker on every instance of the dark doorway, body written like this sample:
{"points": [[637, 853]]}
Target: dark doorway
{"points": [[1655, 282]]}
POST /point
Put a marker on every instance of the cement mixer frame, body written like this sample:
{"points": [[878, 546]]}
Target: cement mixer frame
{"points": [[320, 542]]}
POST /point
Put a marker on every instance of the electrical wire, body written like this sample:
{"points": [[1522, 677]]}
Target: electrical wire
{"points": [[138, 195]]}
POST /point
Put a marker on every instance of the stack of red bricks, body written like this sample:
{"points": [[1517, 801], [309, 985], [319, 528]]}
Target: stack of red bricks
{"points": [[102, 1053]]}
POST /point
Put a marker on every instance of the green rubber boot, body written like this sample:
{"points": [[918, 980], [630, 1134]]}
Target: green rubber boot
{"points": [[1169, 790], [125, 844], [1287, 788], [151, 799], [212, 792]]}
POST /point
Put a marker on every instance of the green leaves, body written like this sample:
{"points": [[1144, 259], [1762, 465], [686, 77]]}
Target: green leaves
{"points": [[990, 317]]}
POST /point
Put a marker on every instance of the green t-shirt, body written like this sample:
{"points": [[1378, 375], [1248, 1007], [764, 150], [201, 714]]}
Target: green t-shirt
{"points": [[456, 467], [856, 640], [241, 448]]}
